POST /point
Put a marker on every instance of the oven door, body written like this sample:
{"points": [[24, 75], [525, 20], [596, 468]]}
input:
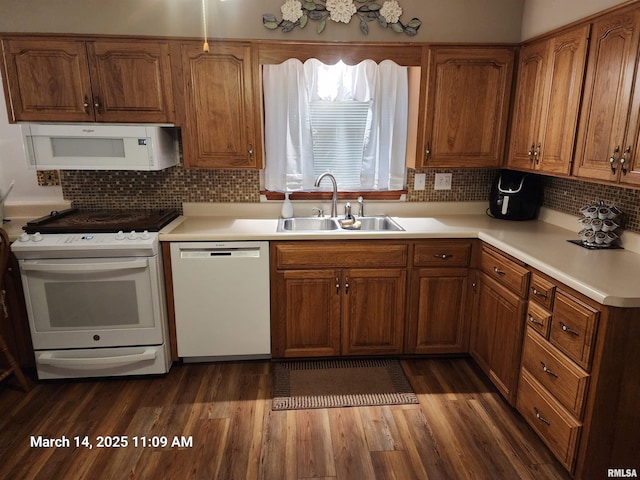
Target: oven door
{"points": [[93, 302]]}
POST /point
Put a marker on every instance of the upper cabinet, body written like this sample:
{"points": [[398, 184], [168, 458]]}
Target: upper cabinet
{"points": [[547, 101], [221, 100], [66, 80], [467, 107], [607, 146]]}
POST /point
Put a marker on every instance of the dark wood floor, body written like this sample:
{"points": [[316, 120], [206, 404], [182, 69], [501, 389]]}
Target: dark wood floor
{"points": [[461, 429]]}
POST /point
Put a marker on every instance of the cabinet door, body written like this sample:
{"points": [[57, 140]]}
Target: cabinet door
{"points": [[467, 106], [131, 81], [219, 127], [631, 154], [524, 141], [373, 311], [483, 323], [305, 319], [47, 80], [613, 56], [561, 101], [437, 311], [14, 328], [496, 335]]}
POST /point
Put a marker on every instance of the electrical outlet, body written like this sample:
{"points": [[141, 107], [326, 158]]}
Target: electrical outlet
{"points": [[443, 181], [420, 181]]}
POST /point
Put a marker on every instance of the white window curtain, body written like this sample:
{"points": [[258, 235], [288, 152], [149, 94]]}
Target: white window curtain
{"points": [[290, 90]]}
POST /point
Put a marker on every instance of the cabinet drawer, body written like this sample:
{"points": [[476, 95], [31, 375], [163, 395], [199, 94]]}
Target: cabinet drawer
{"points": [[573, 328], [566, 382], [553, 423], [513, 276], [442, 253], [542, 291], [319, 254], [539, 319]]}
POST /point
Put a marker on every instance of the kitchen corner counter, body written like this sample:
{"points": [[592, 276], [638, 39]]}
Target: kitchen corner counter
{"points": [[607, 276]]}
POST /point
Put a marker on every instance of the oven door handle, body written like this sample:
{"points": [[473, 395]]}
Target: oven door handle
{"points": [[88, 363], [85, 267]]}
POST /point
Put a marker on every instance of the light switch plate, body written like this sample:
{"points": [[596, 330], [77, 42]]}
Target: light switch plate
{"points": [[443, 181], [420, 181]]}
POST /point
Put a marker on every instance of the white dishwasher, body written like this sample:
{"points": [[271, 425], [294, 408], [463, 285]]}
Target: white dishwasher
{"points": [[221, 297]]}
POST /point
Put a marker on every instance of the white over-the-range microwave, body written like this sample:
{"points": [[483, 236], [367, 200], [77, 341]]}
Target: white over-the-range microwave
{"points": [[90, 146]]}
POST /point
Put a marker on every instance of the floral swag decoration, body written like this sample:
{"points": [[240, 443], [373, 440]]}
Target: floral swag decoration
{"points": [[297, 13]]}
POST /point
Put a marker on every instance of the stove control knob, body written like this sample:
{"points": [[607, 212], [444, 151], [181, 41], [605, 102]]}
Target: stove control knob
{"points": [[133, 235], [24, 237], [37, 237], [145, 235], [120, 235]]}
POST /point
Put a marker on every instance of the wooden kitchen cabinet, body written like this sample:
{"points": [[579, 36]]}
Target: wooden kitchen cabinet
{"points": [[607, 145], [72, 80], [373, 311], [15, 325], [579, 378], [332, 298], [438, 297], [467, 106], [498, 320], [221, 95], [308, 308], [547, 101]]}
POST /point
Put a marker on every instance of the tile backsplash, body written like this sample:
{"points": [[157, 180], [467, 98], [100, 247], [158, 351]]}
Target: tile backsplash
{"points": [[161, 189], [170, 188]]}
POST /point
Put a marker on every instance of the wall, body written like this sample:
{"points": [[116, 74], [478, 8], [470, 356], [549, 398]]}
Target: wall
{"points": [[542, 16], [442, 21]]}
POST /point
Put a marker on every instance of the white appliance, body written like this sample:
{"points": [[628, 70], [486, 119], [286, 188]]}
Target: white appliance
{"points": [[90, 146], [221, 298], [95, 303]]}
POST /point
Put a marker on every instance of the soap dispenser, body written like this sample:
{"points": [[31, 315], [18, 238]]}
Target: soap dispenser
{"points": [[287, 207]]}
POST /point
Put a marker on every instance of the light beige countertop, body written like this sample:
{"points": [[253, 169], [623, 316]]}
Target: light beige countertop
{"points": [[609, 277]]}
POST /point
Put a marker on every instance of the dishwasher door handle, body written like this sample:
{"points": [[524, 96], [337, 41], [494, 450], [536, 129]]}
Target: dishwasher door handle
{"points": [[217, 253]]}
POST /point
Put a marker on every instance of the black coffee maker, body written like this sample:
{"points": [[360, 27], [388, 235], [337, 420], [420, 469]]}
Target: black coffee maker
{"points": [[515, 195]]}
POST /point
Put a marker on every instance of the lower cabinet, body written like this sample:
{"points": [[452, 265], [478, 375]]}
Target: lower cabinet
{"points": [[497, 323], [14, 322], [338, 298], [438, 297], [496, 334], [308, 319]]}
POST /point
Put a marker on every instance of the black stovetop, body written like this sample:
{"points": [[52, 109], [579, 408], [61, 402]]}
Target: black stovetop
{"points": [[74, 220]]}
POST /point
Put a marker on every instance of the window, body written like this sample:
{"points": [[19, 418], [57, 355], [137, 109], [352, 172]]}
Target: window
{"points": [[349, 120], [338, 132]]}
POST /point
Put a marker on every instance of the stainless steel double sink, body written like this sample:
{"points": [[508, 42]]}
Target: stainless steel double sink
{"points": [[376, 223]]}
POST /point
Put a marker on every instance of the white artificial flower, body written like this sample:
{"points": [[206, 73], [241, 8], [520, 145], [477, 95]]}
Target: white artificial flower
{"points": [[391, 11], [291, 10], [341, 10]]}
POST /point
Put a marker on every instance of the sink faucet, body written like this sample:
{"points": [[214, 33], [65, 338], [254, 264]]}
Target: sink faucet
{"points": [[334, 198], [361, 205]]}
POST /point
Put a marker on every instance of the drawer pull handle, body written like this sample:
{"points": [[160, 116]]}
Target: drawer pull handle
{"points": [[540, 417], [443, 256], [568, 330], [538, 293], [337, 286], [535, 322], [545, 369], [498, 271]]}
